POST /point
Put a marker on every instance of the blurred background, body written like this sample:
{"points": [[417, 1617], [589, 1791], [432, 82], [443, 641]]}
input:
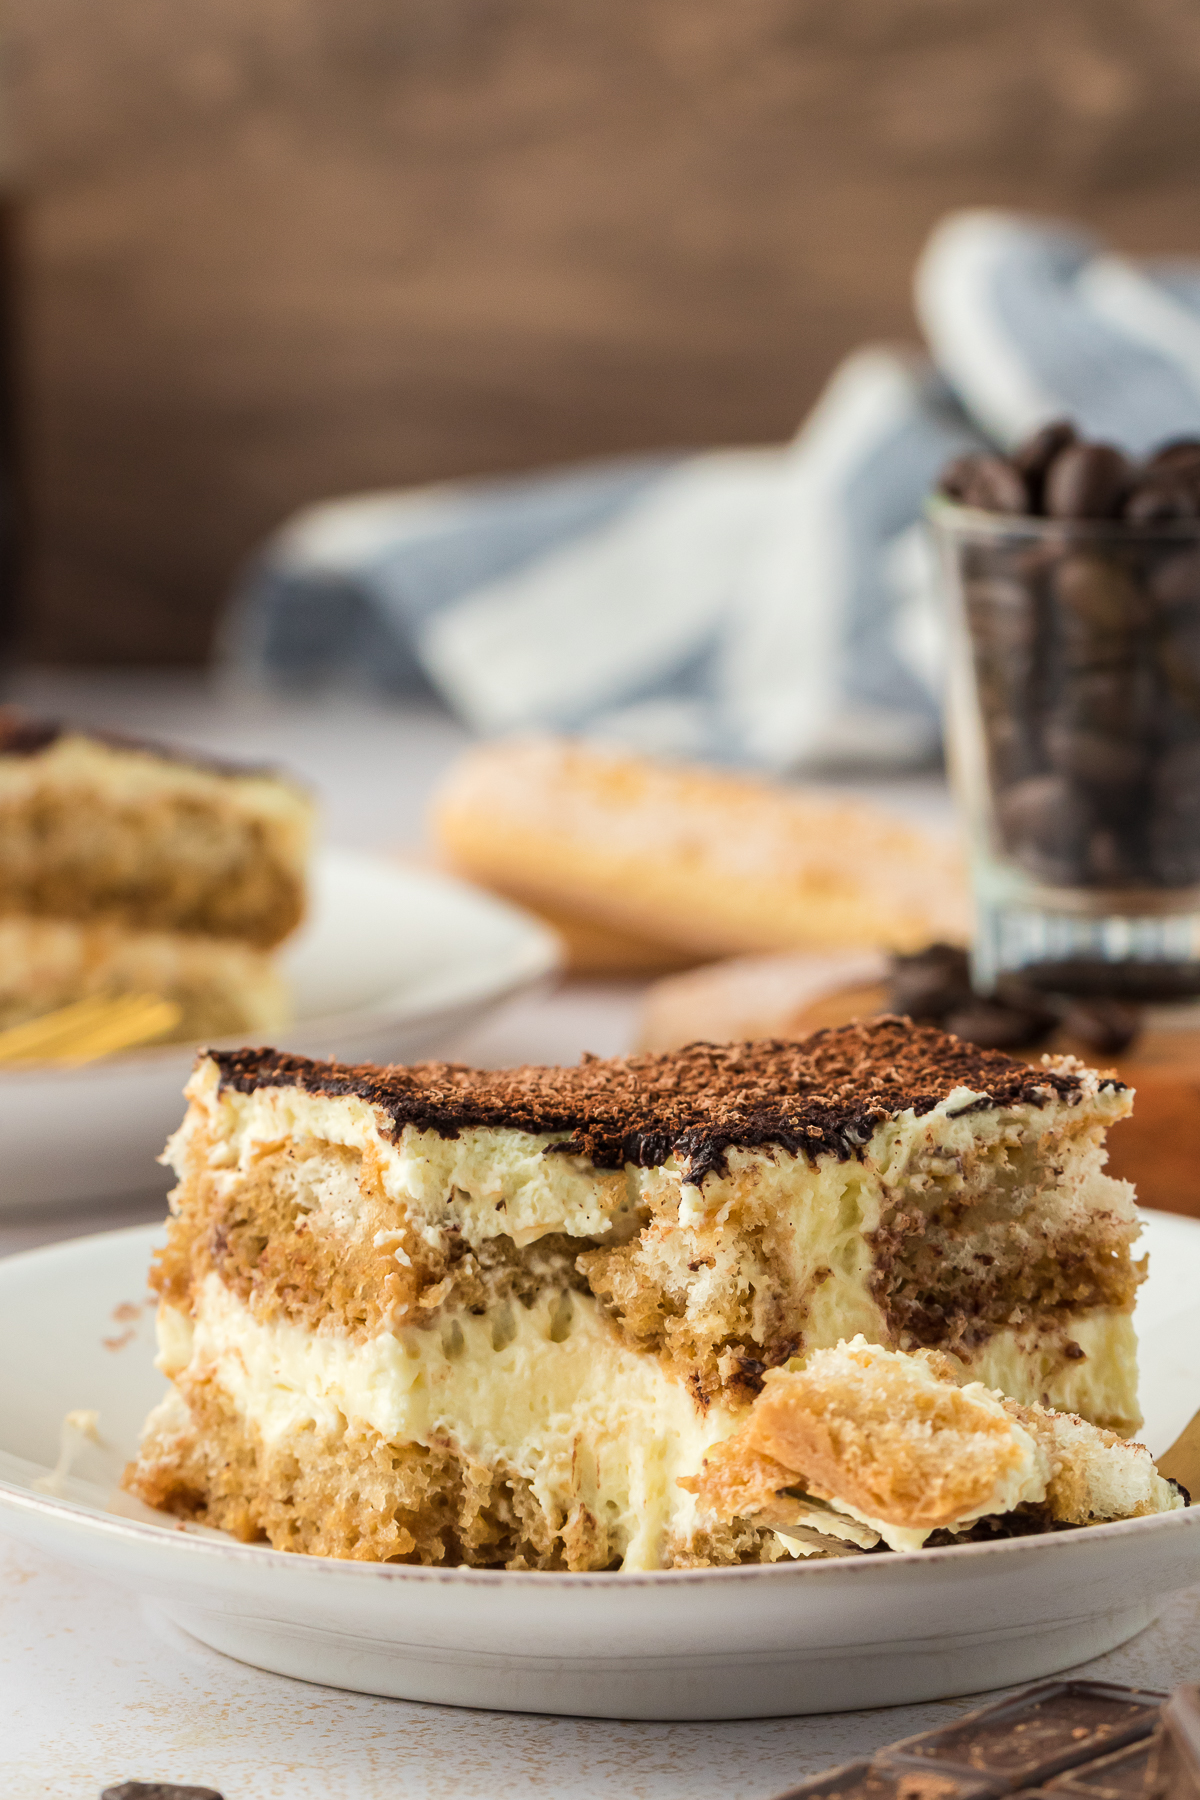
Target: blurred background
{"points": [[262, 253]]}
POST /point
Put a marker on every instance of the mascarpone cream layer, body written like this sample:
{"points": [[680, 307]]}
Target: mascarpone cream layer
{"points": [[550, 1391]]}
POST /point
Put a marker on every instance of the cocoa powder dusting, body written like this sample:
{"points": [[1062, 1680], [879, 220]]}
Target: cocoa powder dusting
{"points": [[821, 1095]]}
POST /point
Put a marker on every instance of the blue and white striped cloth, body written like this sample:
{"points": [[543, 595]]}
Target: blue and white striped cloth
{"points": [[767, 606]]}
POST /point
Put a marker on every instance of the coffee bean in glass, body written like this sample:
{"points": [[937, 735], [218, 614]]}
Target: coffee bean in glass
{"points": [[992, 484], [1035, 455], [1161, 502], [1174, 579], [1104, 700], [1002, 610], [1177, 776], [1086, 481], [1045, 823], [1180, 453], [1013, 749], [1098, 593], [1114, 856], [1174, 837], [1179, 662], [1099, 758]]}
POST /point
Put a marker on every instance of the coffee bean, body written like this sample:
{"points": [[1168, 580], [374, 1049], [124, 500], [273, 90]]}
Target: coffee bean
{"points": [[1179, 661], [1095, 757], [1160, 502], [997, 487], [1112, 859], [1086, 481], [1099, 699], [995, 1026], [928, 983], [1174, 844], [957, 476], [988, 482], [1099, 593], [1002, 612], [157, 1790], [1107, 1026], [1175, 581], [1035, 455], [1013, 750], [1045, 823], [1180, 454], [1177, 778]]}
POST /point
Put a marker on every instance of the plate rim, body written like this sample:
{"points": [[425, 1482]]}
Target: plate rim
{"points": [[212, 1550], [542, 958]]}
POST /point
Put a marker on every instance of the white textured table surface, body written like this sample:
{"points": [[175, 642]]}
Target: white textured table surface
{"points": [[95, 1690]]}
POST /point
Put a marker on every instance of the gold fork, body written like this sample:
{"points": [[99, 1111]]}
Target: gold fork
{"points": [[90, 1028]]}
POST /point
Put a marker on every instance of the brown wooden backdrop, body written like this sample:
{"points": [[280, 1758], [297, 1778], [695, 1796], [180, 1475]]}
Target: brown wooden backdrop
{"points": [[278, 249]]}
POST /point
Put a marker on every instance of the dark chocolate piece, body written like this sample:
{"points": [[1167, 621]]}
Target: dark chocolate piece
{"points": [[1174, 1772], [158, 1790], [824, 1095], [870, 1781], [1028, 1740], [1087, 1738], [1091, 1739], [1121, 1776]]}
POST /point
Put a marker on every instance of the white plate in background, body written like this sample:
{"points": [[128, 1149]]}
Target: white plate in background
{"points": [[390, 963], [76, 1332]]}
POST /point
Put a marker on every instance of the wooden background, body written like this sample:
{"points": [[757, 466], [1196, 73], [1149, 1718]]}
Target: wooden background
{"points": [[274, 250]]}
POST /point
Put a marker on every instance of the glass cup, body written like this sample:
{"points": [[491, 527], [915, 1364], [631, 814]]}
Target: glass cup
{"points": [[1074, 744]]}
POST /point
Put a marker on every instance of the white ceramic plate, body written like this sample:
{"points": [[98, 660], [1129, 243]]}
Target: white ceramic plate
{"points": [[391, 962], [720, 1643]]}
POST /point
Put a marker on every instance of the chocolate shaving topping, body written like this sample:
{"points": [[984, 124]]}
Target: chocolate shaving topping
{"points": [[823, 1095]]}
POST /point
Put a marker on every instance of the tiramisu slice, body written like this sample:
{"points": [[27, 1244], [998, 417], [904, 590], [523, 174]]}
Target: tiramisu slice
{"points": [[865, 1448], [441, 1314], [128, 866]]}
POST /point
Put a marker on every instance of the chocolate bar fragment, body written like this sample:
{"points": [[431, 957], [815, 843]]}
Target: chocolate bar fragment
{"points": [[1174, 1772], [872, 1781], [1121, 1776], [1026, 1741], [1088, 1738]]}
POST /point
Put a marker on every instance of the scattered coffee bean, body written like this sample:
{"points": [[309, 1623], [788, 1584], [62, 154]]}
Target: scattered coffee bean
{"points": [[1086, 481], [994, 1026], [1020, 1015], [157, 1790], [930, 982], [1107, 1026]]}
